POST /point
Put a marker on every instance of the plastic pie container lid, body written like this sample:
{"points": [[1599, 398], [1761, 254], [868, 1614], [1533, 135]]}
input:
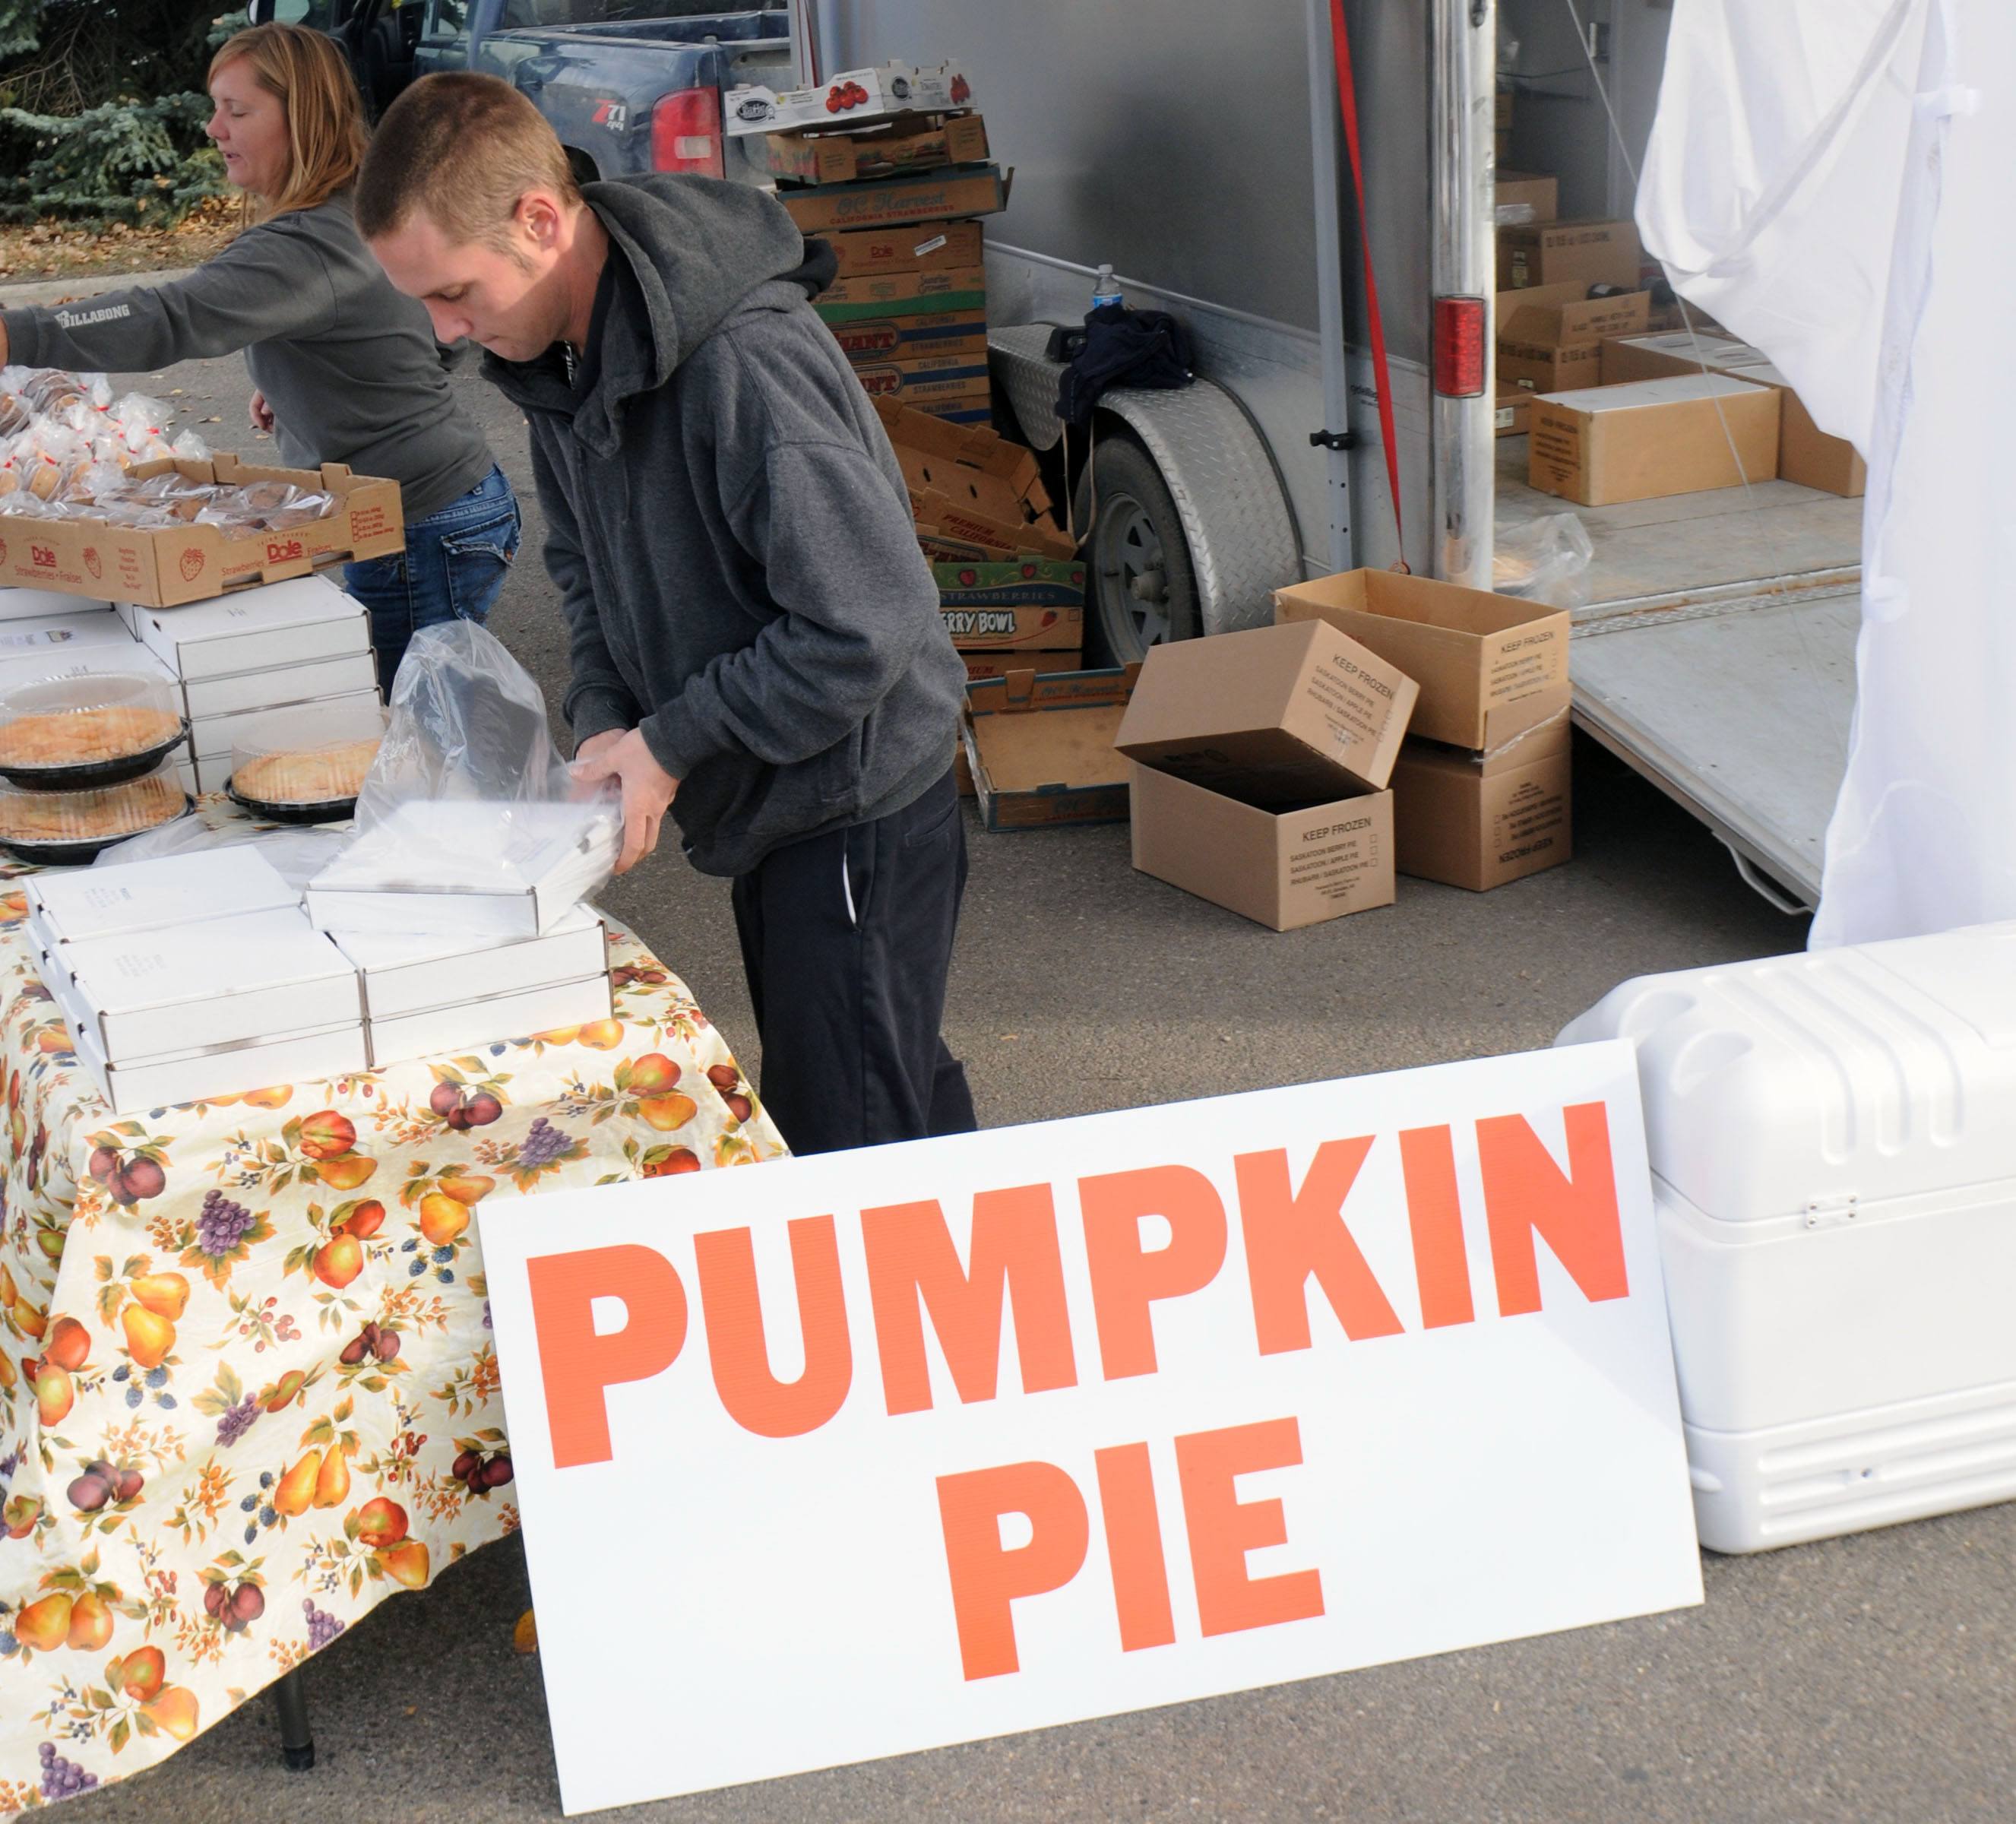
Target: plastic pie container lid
{"points": [[317, 756], [103, 814], [56, 723]]}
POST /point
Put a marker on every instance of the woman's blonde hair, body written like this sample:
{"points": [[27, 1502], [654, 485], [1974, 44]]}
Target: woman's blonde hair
{"points": [[325, 131]]}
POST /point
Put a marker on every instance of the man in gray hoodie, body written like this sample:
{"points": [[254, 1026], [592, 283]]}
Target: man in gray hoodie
{"points": [[755, 637]]}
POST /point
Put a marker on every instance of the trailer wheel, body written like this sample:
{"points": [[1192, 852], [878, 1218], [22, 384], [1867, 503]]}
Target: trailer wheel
{"points": [[1143, 586]]}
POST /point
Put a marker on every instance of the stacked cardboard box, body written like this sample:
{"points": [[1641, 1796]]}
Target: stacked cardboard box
{"points": [[897, 193], [1551, 337], [1481, 788], [275, 646], [1602, 446], [1009, 581]]}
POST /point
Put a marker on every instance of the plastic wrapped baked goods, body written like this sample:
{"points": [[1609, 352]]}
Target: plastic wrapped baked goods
{"points": [[307, 765], [67, 829], [96, 729]]}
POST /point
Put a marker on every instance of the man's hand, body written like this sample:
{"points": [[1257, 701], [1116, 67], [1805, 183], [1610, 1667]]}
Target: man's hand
{"points": [[262, 413], [648, 789]]}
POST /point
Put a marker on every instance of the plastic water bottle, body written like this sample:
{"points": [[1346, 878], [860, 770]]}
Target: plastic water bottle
{"points": [[1105, 288]]}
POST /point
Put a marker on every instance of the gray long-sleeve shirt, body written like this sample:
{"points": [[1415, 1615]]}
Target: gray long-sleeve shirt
{"points": [[350, 368]]}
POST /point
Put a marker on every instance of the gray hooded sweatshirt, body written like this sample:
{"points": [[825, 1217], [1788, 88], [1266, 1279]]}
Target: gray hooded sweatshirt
{"points": [[731, 535]]}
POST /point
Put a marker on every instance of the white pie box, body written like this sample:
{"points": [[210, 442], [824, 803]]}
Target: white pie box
{"points": [[405, 974], [230, 1070], [226, 982], [83, 904], [255, 629], [28, 604], [52, 638], [432, 1031], [212, 737], [469, 869], [351, 674], [80, 662]]}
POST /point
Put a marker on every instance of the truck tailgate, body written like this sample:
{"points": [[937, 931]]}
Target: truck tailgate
{"points": [[1741, 716]]}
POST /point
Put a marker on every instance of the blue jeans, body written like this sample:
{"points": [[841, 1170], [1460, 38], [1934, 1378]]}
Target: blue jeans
{"points": [[454, 564]]}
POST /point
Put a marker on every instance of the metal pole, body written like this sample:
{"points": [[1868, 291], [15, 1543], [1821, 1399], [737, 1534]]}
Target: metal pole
{"points": [[1463, 264], [296, 1743], [1330, 282]]}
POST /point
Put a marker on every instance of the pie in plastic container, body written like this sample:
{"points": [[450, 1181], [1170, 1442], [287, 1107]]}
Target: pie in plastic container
{"points": [[67, 829], [68, 733], [306, 765]]}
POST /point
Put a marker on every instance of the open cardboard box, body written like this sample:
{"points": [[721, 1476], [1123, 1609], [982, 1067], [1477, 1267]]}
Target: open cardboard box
{"points": [[974, 496], [1258, 765], [911, 142], [1039, 746], [1487, 665], [1478, 820], [919, 246], [164, 566], [952, 191]]}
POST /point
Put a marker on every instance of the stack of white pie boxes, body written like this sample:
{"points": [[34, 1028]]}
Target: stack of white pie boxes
{"points": [[198, 976], [243, 655]]}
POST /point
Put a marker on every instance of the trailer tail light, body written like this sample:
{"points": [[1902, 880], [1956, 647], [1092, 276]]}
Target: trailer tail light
{"points": [[1460, 347], [686, 132]]}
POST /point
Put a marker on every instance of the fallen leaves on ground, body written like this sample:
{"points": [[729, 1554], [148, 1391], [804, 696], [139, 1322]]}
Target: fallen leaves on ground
{"points": [[57, 249]]}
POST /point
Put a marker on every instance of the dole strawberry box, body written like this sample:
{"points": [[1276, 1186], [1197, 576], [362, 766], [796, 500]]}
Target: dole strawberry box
{"points": [[162, 566]]}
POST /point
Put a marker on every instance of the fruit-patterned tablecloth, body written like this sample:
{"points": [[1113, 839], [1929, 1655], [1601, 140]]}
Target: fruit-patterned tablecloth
{"points": [[247, 1384]]}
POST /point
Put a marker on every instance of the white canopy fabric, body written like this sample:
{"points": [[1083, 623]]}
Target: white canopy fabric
{"points": [[1829, 179]]}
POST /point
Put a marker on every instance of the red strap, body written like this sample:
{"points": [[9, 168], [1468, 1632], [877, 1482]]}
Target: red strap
{"points": [[1347, 98]]}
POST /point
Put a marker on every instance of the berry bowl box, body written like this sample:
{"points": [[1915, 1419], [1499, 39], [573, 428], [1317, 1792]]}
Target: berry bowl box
{"points": [[849, 99], [161, 566]]}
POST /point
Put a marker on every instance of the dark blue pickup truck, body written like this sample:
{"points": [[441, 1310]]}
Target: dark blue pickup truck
{"points": [[629, 85]]}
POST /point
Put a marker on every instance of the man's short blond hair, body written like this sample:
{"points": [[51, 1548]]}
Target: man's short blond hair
{"points": [[462, 150]]}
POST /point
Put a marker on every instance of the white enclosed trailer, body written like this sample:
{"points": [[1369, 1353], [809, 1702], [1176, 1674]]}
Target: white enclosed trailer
{"points": [[1196, 150]]}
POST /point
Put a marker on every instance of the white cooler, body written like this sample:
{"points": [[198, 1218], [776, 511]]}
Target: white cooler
{"points": [[1833, 1144]]}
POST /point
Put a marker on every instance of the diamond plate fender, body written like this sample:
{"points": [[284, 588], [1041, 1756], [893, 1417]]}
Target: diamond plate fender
{"points": [[1235, 517]]}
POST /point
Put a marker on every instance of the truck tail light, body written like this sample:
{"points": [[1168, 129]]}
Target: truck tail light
{"points": [[686, 132], [1460, 347]]}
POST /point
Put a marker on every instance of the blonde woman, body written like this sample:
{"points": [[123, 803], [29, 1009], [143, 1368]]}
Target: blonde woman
{"points": [[345, 370]]}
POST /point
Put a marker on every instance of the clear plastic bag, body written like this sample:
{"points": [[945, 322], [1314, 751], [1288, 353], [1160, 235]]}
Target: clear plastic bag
{"points": [[298, 855], [1546, 559], [469, 822]]}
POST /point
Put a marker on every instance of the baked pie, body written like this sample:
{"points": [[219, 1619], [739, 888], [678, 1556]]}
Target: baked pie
{"points": [[84, 737], [322, 776], [103, 816]]}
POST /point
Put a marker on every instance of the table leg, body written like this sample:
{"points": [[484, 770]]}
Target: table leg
{"points": [[297, 1744]]}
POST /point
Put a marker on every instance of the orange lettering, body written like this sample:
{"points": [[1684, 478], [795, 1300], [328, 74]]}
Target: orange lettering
{"points": [[1223, 1529], [1292, 1235], [1525, 1194], [1434, 1217], [912, 1263], [1127, 1279], [734, 1310], [1134, 1548], [575, 1363], [986, 1577]]}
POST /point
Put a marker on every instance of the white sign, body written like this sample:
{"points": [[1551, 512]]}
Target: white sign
{"points": [[848, 1456]]}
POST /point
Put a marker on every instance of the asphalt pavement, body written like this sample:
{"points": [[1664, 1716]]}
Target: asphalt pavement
{"points": [[1869, 1679]]}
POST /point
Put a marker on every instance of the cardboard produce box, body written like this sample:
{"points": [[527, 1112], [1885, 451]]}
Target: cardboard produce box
{"points": [[1477, 821], [927, 291], [1023, 582], [1653, 438], [1009, 630], [1040, 749], [165, 565], [1551, 338], [849, 98], [913, 143], [974, 496], [1040, 661], [1258, 762], [949, 387], [1293, 713], [1525, 197], [1514, 411], [1806, 454], [954, 191], [922, 247], [1487, 667], [1568, 253]]}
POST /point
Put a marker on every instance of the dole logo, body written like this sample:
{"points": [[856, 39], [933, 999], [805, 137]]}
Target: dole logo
{"points": [[42, 556], [284, 550]]}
